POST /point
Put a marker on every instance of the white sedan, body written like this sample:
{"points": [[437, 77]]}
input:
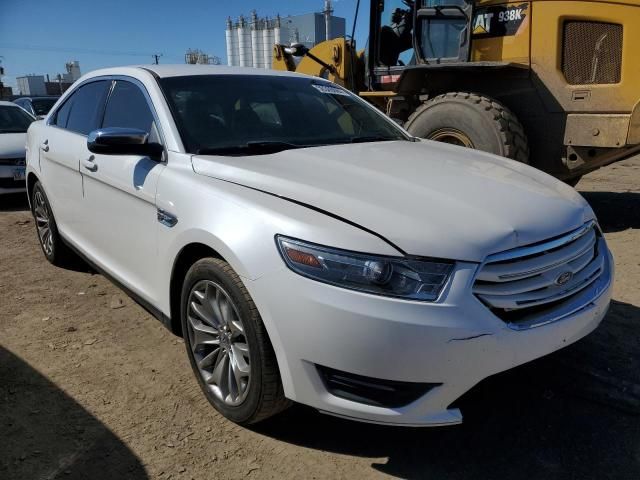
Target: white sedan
{"points": [[306, 247], [14, 122]]}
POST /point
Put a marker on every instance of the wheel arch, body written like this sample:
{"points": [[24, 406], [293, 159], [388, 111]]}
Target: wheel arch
{"points": [[32, 178], [194, 245], [441, 78], [187, 256]]}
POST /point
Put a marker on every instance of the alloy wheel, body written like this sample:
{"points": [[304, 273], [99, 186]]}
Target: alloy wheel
{"points": [[43, 222], [218, 342]]}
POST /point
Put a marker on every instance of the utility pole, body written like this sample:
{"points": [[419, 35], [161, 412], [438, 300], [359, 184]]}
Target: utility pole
{"points": [[156, 56]]}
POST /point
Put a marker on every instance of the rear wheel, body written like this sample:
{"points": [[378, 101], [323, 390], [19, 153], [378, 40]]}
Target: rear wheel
{"points": [[228, 345], [53, 247], [472, 121]]}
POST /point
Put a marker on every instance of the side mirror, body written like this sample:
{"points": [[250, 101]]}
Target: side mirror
{"points": [[122, 141]]}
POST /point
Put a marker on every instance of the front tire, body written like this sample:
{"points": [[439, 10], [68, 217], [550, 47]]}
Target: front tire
{"points": [[473, 121], [227, 344], [53, 247]]}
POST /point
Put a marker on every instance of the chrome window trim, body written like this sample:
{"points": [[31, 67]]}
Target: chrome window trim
{"points": [[147, 97], [541, 247], [114, 79], [67, 95]]}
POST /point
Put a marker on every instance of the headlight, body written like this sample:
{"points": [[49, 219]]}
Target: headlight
{"points": [[413, 279]]}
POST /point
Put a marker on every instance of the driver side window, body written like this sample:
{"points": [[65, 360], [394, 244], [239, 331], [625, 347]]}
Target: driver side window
{"points": [[127, 107]]}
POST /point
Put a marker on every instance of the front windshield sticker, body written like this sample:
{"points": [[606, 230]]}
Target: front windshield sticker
{"points": [[328, 89]]}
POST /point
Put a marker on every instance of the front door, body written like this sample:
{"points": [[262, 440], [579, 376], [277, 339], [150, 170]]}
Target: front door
{"points": [[120, 195], [60, 152]]}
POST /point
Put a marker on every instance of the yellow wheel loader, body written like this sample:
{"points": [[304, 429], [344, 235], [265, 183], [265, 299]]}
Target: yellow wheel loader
{"points": [[552, 83]]}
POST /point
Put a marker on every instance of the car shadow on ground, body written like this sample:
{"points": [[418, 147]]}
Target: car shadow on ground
{"points": [[573, 414], [616, 211], [14, 202], [45, 434]]}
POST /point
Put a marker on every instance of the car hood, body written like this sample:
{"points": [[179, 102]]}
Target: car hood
{"points": [[12, 145], [427, 198]]}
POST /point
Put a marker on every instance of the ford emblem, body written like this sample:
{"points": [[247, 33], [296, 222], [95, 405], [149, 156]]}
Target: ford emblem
{"points": [[564, 278]]}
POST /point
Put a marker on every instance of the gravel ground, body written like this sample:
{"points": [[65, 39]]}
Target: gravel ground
{"points": [[91, 387]]}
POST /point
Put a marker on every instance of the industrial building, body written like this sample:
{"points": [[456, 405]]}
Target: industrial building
{"points": [[250, 41], [37, 85], [73, 72], [32, 85]]}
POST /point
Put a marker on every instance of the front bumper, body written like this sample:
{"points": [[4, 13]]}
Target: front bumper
{"points": [[455, 342]]}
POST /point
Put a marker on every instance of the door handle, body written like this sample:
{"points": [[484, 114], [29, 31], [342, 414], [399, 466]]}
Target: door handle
{"points": [[45, 146], [89, 164]]}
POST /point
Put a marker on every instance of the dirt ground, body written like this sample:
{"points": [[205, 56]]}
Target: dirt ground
{"points": [[92, 387]]}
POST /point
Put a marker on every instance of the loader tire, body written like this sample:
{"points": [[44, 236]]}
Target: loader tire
{"points": [[473, 121]]}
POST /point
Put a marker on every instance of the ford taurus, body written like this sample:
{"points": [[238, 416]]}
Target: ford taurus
{"points": [[306, 247]]}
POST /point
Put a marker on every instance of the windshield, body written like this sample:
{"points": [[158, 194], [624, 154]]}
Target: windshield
{"points": [[42, 105], [252, 114], [14, 120]]}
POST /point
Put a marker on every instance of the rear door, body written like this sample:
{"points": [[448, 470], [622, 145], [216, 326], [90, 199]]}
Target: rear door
{"points": [[120, 214], [63, 144]]}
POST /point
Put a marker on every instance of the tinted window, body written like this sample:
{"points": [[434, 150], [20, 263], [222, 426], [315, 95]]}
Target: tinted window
{"points": [[222, 111], [86, 107], [128, 108], [14, 120]]}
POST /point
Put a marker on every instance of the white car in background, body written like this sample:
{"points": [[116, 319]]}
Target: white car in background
{"points": [[308, 248], [14, 122]]}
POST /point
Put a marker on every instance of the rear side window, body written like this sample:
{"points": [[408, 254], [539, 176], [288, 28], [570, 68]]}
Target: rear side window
{"points": [[82, 110], [128, 108]]}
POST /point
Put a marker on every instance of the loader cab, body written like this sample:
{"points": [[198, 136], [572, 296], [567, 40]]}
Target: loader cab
{"points": [[406, 33]]}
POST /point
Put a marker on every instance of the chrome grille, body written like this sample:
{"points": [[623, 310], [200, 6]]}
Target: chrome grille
{"points": [[516, 283]]}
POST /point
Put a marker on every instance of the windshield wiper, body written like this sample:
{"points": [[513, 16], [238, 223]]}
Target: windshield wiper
{"points": [[251, 148]]}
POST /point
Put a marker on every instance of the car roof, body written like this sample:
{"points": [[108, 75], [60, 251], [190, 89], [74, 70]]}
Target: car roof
{"points": [[182, 70], [8, 104]]}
